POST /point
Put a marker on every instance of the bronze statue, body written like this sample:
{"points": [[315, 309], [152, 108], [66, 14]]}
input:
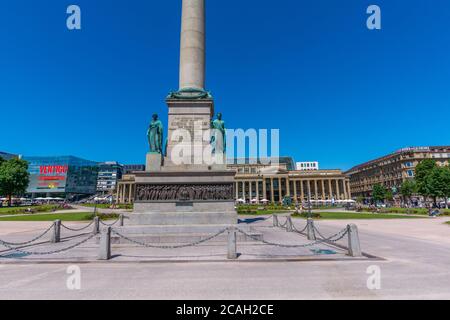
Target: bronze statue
{"points": [[155, 135], [218, 135]]}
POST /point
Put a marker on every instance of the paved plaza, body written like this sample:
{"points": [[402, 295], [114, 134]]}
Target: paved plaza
{"points": [[416, 255]]}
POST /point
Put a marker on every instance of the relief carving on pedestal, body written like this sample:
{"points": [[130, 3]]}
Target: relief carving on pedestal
{"points": [[184, 192]]}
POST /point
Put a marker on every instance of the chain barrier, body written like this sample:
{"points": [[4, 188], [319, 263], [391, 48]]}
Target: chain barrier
{"points": [[76, 230], [109, 224], [49, 252], [321, 236], [340, 235], [168, 247], [5, 243], [299, 231]]}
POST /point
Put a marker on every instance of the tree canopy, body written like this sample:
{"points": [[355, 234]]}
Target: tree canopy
{"points": [[379, 193], [14, 177]]}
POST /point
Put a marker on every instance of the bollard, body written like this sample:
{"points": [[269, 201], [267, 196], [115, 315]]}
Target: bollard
{"points": [[104, 252], [56, 236], [289, 227], [121, 220], [96, 225], [275, 220], [354, 247], [310, 229], [232, 252]]}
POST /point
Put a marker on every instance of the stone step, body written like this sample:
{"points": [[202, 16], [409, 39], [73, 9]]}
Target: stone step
{"points": [[180, 234]]}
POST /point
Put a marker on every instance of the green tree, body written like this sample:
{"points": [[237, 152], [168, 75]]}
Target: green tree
{"points": [[407, 189], [439, 183], [389, 195], [14, 178], [424, 177], [379, 193], [445, 176]]}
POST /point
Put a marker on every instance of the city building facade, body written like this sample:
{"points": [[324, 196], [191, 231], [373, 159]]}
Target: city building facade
{"points": [[270, 182], [63, 176], [391, 170], [109, 174]]}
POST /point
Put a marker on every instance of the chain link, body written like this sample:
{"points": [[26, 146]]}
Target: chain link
{"points": [[109, 225], [299, 231], [49, 252], [80, 229], [329, 239], [5, 243], [344, 232], [169, 247]]}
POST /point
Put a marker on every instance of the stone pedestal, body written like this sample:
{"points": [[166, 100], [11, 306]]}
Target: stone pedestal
{"points": [[153, 162], [184, 198]]}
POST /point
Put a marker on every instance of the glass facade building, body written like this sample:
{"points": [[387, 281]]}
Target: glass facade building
{"points": [[62, 175]]}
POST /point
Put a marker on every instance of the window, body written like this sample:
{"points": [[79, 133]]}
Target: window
{"points": [[410, 173]]}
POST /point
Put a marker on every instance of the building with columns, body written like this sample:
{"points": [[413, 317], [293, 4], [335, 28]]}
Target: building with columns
{"points": [[263, 181], [256, 182]]}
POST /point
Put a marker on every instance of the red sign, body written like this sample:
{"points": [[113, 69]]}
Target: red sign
{"points": [[53, 170]]}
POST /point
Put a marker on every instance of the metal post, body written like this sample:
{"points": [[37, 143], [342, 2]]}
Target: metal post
{"points": [[104, 252], [354, 246], [56, 236], [232, 251], [289, 227], [275, 220], [96, 225], [310, 229], [121, 217]]}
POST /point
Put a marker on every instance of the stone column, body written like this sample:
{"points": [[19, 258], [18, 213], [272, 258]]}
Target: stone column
{"points": [[323, 189], [302, 193], [316, 192], [330, 189], [243, 190], [118, 194], [338, 191], [130, 194], [264, 189], [295, 191], [279, 190], [250, 190], [345, 190], [192, 47], [309, 187], [257, 191], [272, 193], [288, 187], [237, 190]]}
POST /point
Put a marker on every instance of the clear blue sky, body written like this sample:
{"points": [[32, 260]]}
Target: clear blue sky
{"points": [[339, 93]]}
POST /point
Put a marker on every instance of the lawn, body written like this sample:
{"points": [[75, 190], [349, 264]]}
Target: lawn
{"points": [[108, 206], [22, 210], [261, 212], [353, 215], [78, 216]]}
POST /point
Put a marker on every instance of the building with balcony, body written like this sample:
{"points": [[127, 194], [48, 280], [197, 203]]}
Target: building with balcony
{"points": [[392, 169]]}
